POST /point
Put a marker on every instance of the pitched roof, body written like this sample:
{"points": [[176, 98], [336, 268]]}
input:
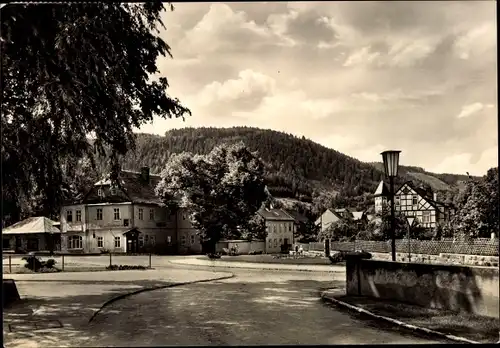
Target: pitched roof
{"points": [[421, 192], [298, 217], [333, 212], [37, 224], [357, 215], [382, 190], [131, 189], [275, 214]]}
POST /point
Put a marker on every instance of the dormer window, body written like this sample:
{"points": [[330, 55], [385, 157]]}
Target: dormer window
{"points": [[99, 192], [112, 190]]}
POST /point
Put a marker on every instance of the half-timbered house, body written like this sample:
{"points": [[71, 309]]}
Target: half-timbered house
{"points": [[414, 201]]}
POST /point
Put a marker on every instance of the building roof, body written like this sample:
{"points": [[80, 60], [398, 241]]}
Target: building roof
{"points": [[370, 217], [37, 224], [275, 214], [298, 217], [131, 189], [357, 215], [382, 190], [332, 211]]}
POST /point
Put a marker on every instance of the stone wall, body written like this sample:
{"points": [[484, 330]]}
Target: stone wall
{"points": [[451, 259], [459, 288]]}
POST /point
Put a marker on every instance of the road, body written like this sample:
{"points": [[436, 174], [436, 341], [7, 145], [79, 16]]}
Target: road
{"points": [[255, 307]]}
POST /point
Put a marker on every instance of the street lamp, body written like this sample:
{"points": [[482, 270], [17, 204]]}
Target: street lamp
{"points": [[410, 220], [391, 164]]}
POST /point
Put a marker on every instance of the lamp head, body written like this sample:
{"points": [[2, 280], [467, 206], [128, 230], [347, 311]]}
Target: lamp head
{"points": [[391, 162]]}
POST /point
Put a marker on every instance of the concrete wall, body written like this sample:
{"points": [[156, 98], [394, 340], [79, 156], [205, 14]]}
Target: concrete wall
{"points": [[458, 288]]}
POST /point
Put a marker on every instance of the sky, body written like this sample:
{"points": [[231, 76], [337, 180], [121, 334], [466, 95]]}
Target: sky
{"points": [[357, 77]]}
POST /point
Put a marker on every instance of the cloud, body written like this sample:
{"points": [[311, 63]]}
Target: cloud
{"points": [[476, 42], [222, 29], [246, 91], [464, 162], [408, 75], [471, 109], [362, 56]]}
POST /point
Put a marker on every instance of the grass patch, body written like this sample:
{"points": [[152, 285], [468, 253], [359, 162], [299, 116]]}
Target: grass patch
{"points": [[23, 270], [474, 327], [299, 260]]}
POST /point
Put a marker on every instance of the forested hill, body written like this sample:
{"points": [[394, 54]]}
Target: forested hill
{"points": [[295, 166]]}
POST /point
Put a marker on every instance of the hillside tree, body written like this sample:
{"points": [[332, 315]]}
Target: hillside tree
{"points": [[221, 191], [70, 71], [477, 213]]}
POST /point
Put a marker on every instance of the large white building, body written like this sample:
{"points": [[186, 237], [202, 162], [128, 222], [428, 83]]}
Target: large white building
{"points": [[126, 218]]}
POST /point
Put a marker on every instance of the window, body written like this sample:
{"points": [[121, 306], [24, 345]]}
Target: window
{"points": [[426, 217], [78, 215], [99, 192], [270, 243], [126, 222], [117, 242], [396, 201], [183, 240], [151, 214], [146, 239], [289, 227], [75, 242], [141, 241], [414, 200], [169, 239], [99, 214], [275, 242], [192, 239], [183, 216], [281, 242], [69, 216], [5, 243], [100, 242], [141, 214], [116, 213], [153, 240]]}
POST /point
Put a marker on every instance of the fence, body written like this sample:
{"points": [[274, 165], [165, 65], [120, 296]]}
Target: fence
{"points": [[480, 247], [14, 263]]}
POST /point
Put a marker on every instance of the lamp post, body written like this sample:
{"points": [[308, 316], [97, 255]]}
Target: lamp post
{"points": [[391, 165], [410, 220]]}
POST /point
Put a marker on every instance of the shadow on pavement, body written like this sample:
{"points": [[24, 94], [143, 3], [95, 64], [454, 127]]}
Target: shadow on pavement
{"points": [[237, 312], [58, 317]]}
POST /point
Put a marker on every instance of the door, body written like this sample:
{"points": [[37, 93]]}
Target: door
{"points": [[19, 243], [132, 245]]}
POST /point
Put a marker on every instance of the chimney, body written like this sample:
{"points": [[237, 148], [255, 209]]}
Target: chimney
{"points": [[145, 175], [434, 196]]}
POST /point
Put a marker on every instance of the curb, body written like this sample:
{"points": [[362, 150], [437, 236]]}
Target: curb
{"points": [[120, 297], [330, 298], [255, 268]]}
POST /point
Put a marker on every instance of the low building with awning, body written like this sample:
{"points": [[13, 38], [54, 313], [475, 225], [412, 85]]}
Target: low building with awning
{"points": [[32, 234]]}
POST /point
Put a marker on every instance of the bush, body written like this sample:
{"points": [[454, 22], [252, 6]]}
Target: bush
{"points": [[337, 257], [104, 251], [125, 267], [49, 263], [213, 256], [33, 263]]}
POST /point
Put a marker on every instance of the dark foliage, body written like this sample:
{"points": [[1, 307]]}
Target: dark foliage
{"points": [[125, 267], [70, 70], [34, 263]]}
